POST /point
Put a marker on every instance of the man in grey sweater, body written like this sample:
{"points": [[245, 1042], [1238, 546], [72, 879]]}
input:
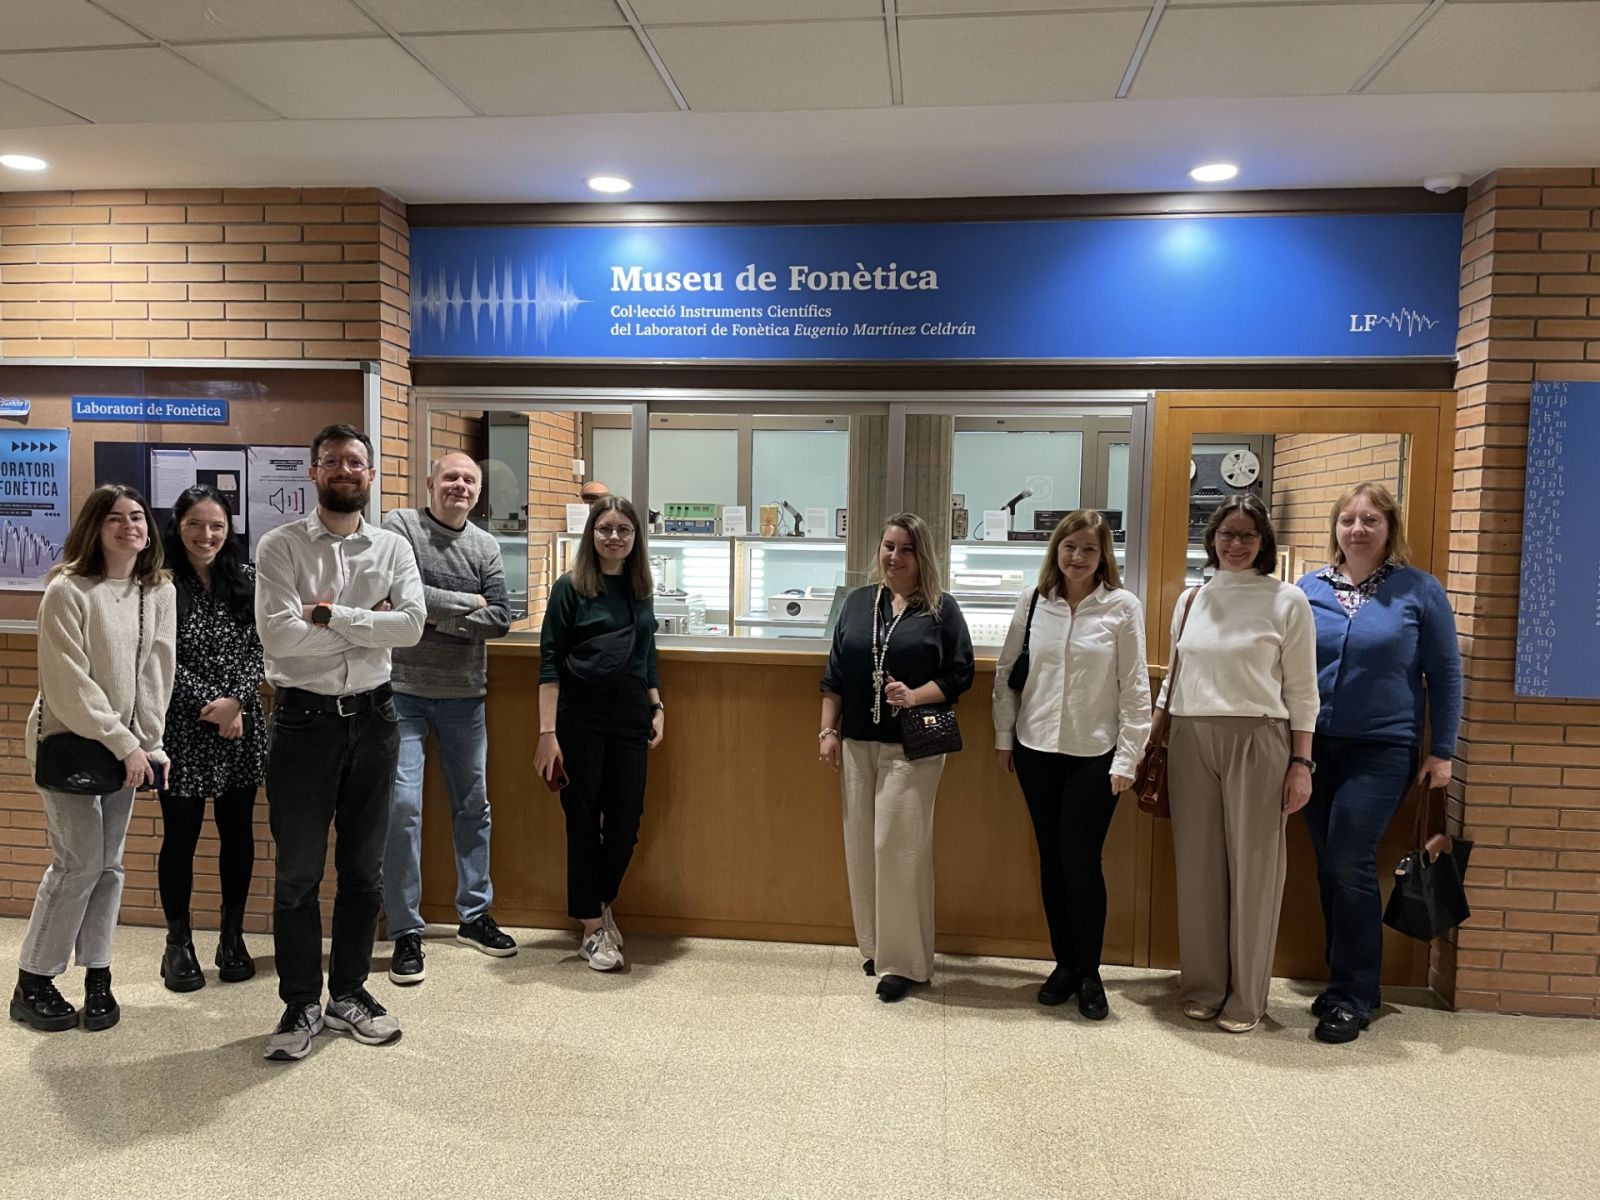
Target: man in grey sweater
{"points": [[439, 684]]}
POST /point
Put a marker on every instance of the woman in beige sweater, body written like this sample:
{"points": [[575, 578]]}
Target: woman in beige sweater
{"points": [[107, 624]]}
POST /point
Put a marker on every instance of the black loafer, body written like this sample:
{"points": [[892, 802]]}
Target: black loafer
{"points": [[1060, 987], [1092, 998], [1339, 1025], [892, 988], [1321, 1005], [869, 967]]}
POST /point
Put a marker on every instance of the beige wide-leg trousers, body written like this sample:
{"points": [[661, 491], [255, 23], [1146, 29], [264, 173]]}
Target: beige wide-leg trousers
{"points": [[1225, 780], [888, 854]]}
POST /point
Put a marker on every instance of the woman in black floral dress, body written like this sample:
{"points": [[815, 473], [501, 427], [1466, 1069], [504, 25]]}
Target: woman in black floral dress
{"points": [[215, 735]]}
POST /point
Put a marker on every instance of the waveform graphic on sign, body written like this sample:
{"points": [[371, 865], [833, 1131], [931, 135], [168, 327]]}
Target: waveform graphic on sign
{"points": [[507, 299], [1407, 322], [288, 500], [23, 552]]}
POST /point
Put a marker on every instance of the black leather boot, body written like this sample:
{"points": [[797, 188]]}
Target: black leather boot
{"points": [[36, 1002], [100, 1009], [234, 964], [180, 969]]}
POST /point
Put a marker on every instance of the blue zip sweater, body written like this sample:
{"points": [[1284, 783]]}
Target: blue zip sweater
{"points": [[1371, 667]]}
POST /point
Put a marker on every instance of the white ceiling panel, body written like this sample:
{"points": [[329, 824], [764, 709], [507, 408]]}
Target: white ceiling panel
{"points": [[365, 77], [709, 12], [128, 86], [18, 110], [1298, 50], [465, 16], [917, 8], [1233, 3], [1031, 59], [538, 74], [47, 24], [1514, 47], [777, 68], [232, 20]]}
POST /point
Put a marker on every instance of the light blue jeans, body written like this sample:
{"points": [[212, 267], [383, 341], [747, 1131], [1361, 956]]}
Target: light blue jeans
{"points": [[463, 741], [81, 892]]}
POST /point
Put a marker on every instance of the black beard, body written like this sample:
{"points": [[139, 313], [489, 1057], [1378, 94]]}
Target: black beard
{"points": [[338, 501]]}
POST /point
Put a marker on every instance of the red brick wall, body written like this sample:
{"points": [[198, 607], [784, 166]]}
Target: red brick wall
{"points": [[1311, 470], [1528, 771], [553, 442], [260, 273]]}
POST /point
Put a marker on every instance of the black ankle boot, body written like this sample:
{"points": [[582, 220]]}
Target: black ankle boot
{"points": [[234, 964], [180, 969], [100, 1009], [36, 1002]]}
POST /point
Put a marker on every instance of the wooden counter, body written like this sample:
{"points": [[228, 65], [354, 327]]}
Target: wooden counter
{"points": [[742, 835]]}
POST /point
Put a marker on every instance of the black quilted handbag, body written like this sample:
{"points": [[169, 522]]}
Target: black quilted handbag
{"points": [[929, 729]]}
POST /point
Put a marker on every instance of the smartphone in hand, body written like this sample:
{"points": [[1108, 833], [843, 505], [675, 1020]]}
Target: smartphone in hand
{"points": [[558, 776]]}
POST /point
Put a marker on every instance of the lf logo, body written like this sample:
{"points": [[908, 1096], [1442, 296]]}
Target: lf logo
{"points": [[1401, 321]]}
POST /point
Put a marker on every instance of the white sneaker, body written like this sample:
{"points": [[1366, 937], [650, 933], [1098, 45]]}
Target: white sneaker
{"points": [[608, 922], [291, 1040], [600, 952], [363, 1018]]}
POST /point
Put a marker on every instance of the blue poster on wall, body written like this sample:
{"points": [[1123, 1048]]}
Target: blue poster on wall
{"points": [[35, 511], [1129, 289], [1558, 608]]}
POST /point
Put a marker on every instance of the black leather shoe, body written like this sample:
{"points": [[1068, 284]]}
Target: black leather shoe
{"points": [[234, 964], [892, 988], [869, 967], [1060, 987], [1092, 998], [100, 1010], [1339, 1025], [1321, 1005], [36, 1003], [180, 969]]}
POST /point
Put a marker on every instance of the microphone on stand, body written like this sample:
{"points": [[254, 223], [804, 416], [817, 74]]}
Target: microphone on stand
{"points": [[1011, 505], [799, 521]]}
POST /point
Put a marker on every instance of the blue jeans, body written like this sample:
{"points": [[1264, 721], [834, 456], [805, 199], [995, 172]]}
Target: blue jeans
{"points": [[1355, 793], [463, 742]]}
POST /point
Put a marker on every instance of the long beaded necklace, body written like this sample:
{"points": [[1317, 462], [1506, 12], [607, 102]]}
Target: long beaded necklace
{"points": [[881, 652]]}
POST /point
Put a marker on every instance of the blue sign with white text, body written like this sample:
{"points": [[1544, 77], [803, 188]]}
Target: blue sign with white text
{"points": [[35, 505], [1126, 289], [149, 408]]}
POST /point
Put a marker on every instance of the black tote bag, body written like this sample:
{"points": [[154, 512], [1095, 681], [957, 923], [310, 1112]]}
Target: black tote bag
{"points": [[1429, 897]]}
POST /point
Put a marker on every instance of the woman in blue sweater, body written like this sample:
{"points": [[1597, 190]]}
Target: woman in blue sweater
{"points": [[1384, 630]]}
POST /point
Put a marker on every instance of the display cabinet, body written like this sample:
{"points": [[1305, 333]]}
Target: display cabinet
{"points": [[987, 578], [786, 586]]}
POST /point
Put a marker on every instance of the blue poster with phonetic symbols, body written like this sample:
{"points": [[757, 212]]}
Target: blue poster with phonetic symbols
{"points": [[35, 505]]}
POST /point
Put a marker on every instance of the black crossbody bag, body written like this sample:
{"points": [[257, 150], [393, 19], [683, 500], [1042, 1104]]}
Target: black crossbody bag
{"points": [[603, 659], [82, 766], [1017, 679]]}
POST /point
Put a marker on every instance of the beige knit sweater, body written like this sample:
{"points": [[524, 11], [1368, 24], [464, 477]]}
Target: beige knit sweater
{"points": [[88, 637]]}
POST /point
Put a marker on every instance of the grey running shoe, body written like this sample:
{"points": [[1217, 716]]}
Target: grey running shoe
{"points": [[600, 952], [363, 1018], [291, 1040], [608, 921]]}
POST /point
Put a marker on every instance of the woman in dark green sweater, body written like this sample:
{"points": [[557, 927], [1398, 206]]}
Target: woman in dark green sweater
{"points": [[600, 712]]}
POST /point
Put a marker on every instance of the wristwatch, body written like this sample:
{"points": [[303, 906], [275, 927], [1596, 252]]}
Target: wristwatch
{"points": [[322, 614], [1304, 762]]}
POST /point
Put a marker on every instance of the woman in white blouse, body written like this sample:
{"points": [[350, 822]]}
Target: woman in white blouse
{"points": [[1244, 703], [1072, 734]]}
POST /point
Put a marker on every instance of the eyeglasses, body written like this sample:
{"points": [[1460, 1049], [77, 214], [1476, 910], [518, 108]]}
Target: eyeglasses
{"points": [[1242, 538], [615, 533], [355, 466]]}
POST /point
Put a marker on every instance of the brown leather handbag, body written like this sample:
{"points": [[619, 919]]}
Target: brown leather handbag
{"points": [[1150, 779]]}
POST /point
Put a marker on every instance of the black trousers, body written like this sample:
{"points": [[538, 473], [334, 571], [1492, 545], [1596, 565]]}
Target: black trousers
{"points": [[181, 821], [326, 769], [1071, 803], [604, 735]]}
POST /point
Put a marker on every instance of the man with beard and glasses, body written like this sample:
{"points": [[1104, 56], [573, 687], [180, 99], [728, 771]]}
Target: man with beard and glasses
{"points": [[334, 595]]}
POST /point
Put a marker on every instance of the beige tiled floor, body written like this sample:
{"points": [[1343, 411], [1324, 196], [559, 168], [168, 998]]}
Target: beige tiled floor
{"points": [[734, 1069]]}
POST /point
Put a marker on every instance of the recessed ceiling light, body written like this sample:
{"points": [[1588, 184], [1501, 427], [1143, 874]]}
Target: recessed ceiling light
{"points": [[609, 183], [1214, 173], [22, 162]]}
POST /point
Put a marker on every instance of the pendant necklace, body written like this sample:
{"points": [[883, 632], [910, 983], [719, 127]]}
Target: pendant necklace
{"points": [[880, 652]]}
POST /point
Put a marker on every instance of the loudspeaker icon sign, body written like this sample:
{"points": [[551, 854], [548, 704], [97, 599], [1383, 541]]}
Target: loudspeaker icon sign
{"points": [[288, 500]]}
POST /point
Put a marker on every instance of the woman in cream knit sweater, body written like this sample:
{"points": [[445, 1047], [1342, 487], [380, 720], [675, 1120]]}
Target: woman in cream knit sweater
{"points": [[106, 632]]}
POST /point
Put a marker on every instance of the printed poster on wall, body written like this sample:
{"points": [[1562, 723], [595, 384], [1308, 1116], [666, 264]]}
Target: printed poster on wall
{"points": [[278, 488], [35, 506]]}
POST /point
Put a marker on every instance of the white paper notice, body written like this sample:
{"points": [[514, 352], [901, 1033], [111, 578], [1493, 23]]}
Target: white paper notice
{"points": [[577, 517], [278, 487], [173, 472], [996, 522], [735, 520], [818, 522]]}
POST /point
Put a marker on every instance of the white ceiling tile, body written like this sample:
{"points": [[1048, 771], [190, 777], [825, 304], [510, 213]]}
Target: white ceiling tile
{"points": [[18, 110], [538, 74], [354, 78], [47, 24], [233, 20], [711, 12], [1500, 48], [773, 68], [1295, 50], [1232, 3], [462, 16], [1030, 59], [128, 86], [918, 8]]}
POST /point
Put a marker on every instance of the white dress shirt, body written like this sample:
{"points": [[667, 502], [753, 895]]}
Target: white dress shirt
{"points": [[1088, 688], [304, 563]]}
